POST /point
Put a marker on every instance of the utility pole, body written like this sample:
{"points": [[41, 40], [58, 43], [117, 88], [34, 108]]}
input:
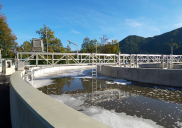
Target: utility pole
{"points": [[47, 45], [96, 47]]}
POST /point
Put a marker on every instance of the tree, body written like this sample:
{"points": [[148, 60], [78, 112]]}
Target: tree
{"points": [[89, 46], [68, 49], [7, 38], [104, 40], [54, 44], [85, 45], [92, 46], [112, 47], [25, 47]]}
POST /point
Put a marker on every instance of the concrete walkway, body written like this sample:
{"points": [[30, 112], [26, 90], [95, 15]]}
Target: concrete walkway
{"points": [[5, 120]]}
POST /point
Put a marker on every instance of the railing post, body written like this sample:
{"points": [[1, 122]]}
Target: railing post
{"points": [[130, 60], [167, 61], [81, 58], [21, 56], [89, 58], [147, 58], [136, 60], [162, 60], [171, 61], [17, 56], [52, 59], [119, 59], [124, 60], [36, 59], [133, 59]]}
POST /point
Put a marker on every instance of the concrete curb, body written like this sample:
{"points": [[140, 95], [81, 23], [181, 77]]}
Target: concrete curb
{"points": [[169, 77]]}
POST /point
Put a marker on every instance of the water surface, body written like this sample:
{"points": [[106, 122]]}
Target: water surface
{"points": [[160, 104]]}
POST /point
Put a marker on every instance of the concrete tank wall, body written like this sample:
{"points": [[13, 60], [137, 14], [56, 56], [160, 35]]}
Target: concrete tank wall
{"points": [[169, 77], [31, 108], [159, 65]]}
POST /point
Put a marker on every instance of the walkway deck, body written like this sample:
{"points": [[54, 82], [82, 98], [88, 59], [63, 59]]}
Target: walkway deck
{"points": [[5, 120]]}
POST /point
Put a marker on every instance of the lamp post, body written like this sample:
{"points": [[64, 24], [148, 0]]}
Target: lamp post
{"points": [[74, 44]]}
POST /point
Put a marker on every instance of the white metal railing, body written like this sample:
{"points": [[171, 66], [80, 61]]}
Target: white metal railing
{"points": [[68, 58], [90, 58]]}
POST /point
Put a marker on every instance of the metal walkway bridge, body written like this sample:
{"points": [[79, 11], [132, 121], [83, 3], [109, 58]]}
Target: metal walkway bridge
{"points": [[54, 59]]}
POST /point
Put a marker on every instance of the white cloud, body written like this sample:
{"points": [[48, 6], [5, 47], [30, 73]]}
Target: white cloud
{"points": [[75, 32], [150, 31], [178, 25], [23, 36], [134, 22], [110, 40]]}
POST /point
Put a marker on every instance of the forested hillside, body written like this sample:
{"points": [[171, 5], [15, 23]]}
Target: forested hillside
{"points": [[160, 44]]}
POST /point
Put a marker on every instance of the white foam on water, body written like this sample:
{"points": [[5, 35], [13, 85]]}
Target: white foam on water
{"points": [[41, 82], [42, 77], [111, 118], [179, 124], [56, 70]]}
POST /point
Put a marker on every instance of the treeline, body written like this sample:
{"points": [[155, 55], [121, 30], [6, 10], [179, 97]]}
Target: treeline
{"points": [[104, 46], [9, 46]]}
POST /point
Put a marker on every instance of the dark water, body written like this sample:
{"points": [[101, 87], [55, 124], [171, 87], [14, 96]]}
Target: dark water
{"points": [[161, 104]]}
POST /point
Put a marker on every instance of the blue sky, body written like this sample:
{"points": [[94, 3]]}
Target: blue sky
{"points": [[75, 19]]}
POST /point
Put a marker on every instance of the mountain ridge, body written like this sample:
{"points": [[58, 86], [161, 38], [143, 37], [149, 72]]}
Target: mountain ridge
{"points": [[159, 44]]}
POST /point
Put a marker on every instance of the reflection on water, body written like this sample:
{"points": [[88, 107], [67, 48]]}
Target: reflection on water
{"points": [[162, 105]]}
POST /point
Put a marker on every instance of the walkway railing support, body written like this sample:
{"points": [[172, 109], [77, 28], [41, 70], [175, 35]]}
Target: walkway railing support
{"points": [[119, 63], [136, 61], [132, 59], [162, 61]]}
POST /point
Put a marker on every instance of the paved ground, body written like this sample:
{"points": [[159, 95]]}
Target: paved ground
{"points": [[5, 120]]}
